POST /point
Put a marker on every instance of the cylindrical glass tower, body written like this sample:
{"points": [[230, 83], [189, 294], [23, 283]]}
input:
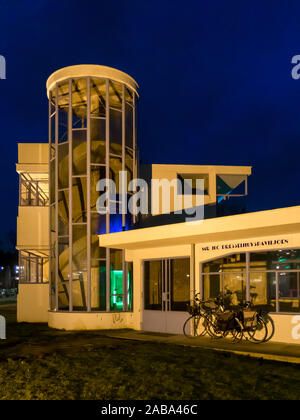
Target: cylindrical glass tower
{"points": [[92, 136]]}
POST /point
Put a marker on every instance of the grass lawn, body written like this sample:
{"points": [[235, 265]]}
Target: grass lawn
{"points": [[40, 363]]}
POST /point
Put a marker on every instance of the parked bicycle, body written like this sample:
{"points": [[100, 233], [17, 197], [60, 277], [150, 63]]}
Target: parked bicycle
{"points": [[212, 317]]}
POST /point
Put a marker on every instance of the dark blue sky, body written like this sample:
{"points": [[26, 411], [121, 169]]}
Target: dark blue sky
{"points": [[215, 82]]}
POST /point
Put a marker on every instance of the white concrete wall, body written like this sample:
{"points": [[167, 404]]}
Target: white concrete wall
{"points": [[33, 302], [90, 321]]}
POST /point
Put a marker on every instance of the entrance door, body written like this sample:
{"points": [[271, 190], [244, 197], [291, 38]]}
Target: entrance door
{"points": [[166, 294]]}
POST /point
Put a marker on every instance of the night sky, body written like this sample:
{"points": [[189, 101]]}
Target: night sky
{"points": [[215, 82]]}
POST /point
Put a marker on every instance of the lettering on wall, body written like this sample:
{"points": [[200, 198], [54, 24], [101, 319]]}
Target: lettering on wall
{"points": [[296, 329], [238, 245]]}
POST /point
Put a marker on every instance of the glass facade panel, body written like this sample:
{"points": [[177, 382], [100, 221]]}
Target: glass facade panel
{"points": [[97, 173], [130, 286], [263, 289], [115, 166], [236, 284], [98, 227], [98, 97], [79, 103], [274, 279], [180, 284], [234, 262], [153, 285], [34, 189], [129, 125], [79, 268], [63, 166], [115, 95], [98, 152], [63, 213], [98, 285], [115, 127], [289, 291], [288, 259], [63, 109], [86, 135], [32, 268], [116, 280], [63, 273], [79, 162], [79, 200]]}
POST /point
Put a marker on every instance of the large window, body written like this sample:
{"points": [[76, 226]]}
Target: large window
{"points": [[266, 278], [189, 183], [34, 189], [33, 268]]}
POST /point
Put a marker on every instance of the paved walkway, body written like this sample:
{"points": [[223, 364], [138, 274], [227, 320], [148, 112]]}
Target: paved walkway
{"points": [[272, 350]]}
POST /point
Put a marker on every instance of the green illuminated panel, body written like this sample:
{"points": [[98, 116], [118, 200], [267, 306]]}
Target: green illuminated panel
{"points": [[116, 291]]}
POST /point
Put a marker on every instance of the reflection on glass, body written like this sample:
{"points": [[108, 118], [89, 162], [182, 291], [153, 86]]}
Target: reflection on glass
{"points": [[234, 262], [180, 284], [98, 285], [63, 273], [153, 285], [79, 103], [263, 289], [63, 213], [116, 280], [98, 98], [284, 259], [79, 200], [63, 165], [289, 292]]}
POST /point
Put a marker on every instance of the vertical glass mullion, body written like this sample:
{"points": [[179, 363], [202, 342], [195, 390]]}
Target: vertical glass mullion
{"points": [[50, 227], [107, 191], [134, 148], [56, 197], [248, 276], [124, 188], [277, 291], [201, 283], [88, 165], [70, 138]]}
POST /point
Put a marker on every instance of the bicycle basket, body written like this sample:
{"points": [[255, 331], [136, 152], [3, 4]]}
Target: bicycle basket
{"points": [[226, 321], [250, 319], [193, 309]]}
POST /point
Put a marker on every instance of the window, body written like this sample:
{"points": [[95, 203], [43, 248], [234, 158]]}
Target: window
{"points": [[34, 189], [33, 267], [266, 278], [189, 183]]}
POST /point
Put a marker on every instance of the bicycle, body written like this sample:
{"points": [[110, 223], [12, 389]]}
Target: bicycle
{"points": [[210, 317]]}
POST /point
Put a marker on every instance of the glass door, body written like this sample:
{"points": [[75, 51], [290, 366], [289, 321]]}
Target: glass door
{"points": [[166, 294]]}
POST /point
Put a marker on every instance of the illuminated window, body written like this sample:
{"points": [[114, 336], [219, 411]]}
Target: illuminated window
{"points": [[189, 183], [34, 189]]}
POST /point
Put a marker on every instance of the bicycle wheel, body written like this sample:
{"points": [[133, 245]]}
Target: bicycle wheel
{"points": [[259, 333], [213, 329], [270, 326], [195, 326], [236, 335]]}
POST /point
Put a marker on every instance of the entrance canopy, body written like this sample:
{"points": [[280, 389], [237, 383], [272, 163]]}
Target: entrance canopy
{"points": [[270, 222]]}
